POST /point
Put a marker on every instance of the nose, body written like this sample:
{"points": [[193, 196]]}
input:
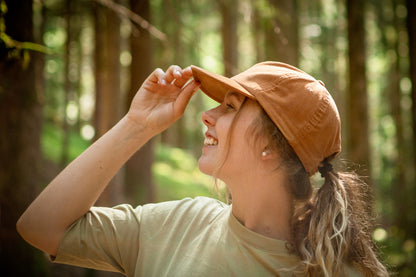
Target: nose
{"points": [[208, 117]]}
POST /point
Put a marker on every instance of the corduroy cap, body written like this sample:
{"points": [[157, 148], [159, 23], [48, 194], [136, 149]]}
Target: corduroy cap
{"points": [[299, 105]]}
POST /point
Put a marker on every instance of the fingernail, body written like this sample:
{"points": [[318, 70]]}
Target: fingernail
{"points": [[177, 73], [162, 81]]}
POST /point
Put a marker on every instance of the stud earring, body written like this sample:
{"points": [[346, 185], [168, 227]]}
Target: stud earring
{"points": [[264, 154]]}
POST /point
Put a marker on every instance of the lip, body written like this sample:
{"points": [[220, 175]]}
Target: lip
{"points": [[208, 135]]}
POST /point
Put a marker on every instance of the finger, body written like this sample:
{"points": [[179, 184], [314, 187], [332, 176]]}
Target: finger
{"points": [[184, 97], [187, 71], [173, 73], [186, 74], [157, 76]]}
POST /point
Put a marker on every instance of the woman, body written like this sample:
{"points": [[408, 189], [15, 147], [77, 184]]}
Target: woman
{"points": [[275, 127]]}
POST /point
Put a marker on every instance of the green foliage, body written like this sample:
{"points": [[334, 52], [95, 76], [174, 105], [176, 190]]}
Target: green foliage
{"points": [[3, 11], [16, 50], [399, 253], [177, 175], [52, 138]]}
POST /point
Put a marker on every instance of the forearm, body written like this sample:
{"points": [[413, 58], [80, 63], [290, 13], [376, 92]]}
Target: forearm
{"points": [[160, 101], [71, 194]]}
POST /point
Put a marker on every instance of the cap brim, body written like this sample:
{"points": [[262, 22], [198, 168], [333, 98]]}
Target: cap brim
{"points": [[217, 86]]}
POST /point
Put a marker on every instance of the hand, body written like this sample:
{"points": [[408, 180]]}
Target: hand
{"points": [[162, 98]]}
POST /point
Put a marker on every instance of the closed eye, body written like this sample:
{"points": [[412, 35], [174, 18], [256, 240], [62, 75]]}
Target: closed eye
{"points": [[233, 100]]}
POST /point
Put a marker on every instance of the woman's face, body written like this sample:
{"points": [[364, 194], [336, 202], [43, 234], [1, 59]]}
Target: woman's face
{"points": [[240, 157]]}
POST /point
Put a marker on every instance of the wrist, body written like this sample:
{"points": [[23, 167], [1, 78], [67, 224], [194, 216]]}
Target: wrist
{"points": [[135, 129]]}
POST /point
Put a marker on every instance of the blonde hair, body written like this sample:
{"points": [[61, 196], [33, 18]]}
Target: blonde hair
{"points": [[331, 225]]}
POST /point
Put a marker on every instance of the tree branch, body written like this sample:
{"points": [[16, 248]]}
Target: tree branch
{"points": [[120, 9]]}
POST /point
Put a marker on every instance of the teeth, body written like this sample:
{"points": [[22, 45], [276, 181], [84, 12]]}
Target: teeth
{"points": [[210, 141]]}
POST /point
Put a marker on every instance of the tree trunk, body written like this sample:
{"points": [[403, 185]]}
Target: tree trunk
{"points": [[66, 128], [358, 143], [229, 15], [399, 192], [21, 157], [139, 177], [107, 84], [175, 135], [400, 189], [282, 41], [257, 31], [411, 31]]}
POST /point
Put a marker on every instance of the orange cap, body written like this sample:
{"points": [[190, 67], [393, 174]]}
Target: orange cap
{"points": [[299, 105]]}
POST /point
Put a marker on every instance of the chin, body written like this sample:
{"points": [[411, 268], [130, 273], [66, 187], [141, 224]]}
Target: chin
{"points": [[205, 167]]}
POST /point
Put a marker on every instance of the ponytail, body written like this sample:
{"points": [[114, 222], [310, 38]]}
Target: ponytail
{"points": [[333, 228]]}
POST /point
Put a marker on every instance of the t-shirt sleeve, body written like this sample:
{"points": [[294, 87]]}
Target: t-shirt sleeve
{"points": [[113, 239], [103, 239]]}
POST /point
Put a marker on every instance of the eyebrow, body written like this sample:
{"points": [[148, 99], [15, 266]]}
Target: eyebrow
{"points": [[235, 95]]}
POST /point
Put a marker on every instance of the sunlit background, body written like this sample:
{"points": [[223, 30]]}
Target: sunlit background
{"points": [[225, 37]]}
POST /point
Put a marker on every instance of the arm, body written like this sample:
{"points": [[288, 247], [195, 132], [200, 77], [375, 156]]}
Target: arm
{"points": [[159, 102]]}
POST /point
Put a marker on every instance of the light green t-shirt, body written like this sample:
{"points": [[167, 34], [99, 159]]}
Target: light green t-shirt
{"points": [[190, 237]]}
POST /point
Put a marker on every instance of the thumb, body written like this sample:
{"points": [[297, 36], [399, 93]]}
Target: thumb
{"points": [[184, 97]]}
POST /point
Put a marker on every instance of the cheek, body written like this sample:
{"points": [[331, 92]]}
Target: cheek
{"points": [[243, 146], [241, 152], [241, 149]]}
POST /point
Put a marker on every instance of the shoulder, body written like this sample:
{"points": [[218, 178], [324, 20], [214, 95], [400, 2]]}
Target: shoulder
{"points": [[179, 214], [184, 207], [187, 207], [200, 201]]}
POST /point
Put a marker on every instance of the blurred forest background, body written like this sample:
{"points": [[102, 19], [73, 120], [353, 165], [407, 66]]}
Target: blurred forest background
{"points": [[68, 70]]}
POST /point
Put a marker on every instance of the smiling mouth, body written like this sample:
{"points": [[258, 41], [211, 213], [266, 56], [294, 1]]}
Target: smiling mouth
{"points": [[210, 141]]}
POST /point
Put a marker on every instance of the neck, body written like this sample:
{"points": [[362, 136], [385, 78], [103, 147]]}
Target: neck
{"points": [[264, 207]]}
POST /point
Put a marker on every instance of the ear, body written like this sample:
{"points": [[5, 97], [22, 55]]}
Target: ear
{"points": [[267, 154]]}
